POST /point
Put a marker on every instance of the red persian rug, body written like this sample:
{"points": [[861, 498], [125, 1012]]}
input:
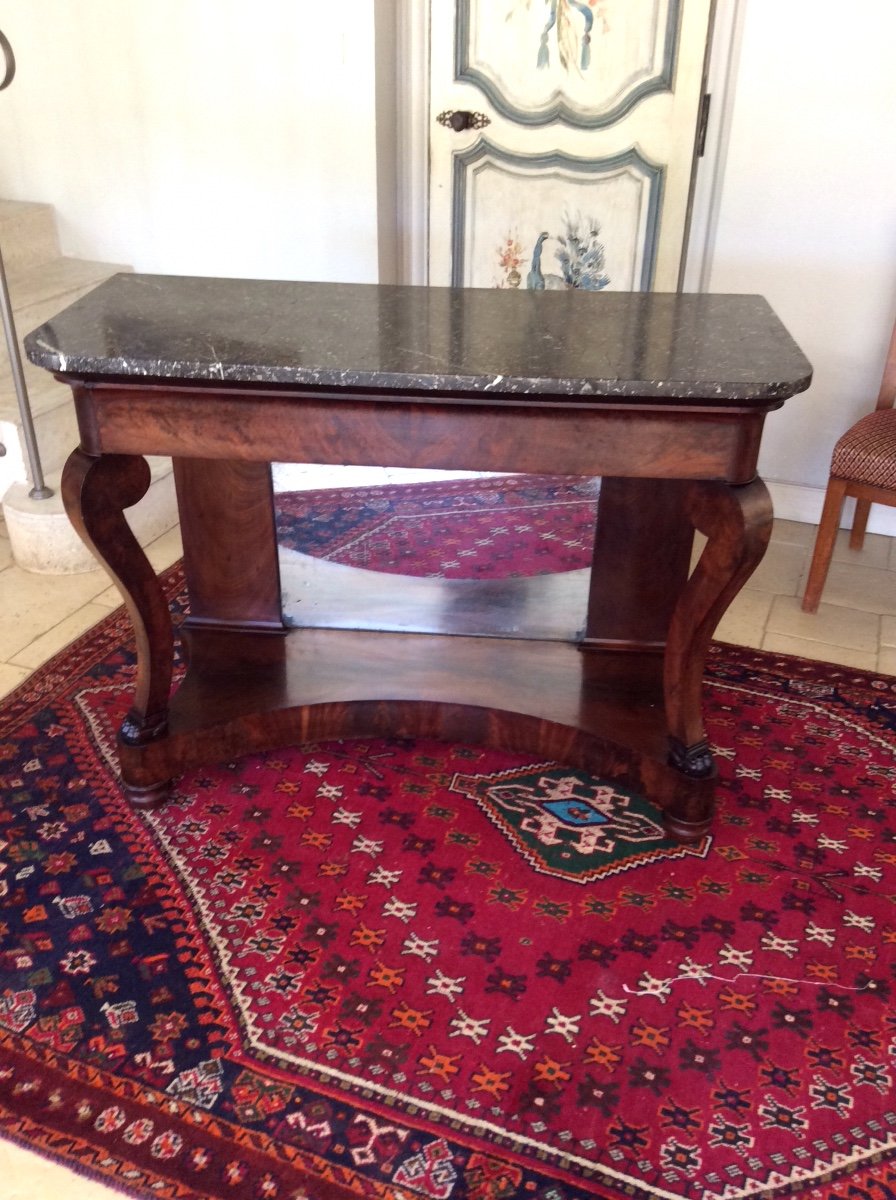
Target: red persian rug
{"points": [[405, 969], [464, 529]]}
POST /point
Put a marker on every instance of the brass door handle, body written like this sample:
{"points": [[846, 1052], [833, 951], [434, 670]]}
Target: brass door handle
{"points": [[462, 119]]}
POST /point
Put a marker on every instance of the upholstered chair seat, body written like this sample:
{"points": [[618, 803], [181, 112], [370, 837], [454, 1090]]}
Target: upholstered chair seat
{"points": [[867, 452]]}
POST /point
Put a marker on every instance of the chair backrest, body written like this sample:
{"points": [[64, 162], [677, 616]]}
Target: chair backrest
{"points": [[888, 382]]}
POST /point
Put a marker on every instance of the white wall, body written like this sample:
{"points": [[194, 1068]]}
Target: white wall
{"points": [[808, 215], [211, 137], [222, 137]]}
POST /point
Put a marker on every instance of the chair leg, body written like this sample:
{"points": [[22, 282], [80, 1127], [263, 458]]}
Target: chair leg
{"points": [[824, 543], [859, 524]]}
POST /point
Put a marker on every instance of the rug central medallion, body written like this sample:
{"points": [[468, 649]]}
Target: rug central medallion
{"points": [[572, 825]]}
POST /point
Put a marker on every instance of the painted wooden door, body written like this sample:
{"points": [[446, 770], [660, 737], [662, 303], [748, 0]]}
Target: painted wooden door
{"points": [[562, 141]]}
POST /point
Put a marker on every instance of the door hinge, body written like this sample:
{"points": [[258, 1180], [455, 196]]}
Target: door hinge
{"points": [[702, 123]]}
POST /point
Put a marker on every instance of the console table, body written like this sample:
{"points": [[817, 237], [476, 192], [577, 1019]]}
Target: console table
{"points": [[663, 396]]}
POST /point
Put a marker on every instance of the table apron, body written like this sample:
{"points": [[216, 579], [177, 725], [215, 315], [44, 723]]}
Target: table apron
{"points": [[643, 441]]}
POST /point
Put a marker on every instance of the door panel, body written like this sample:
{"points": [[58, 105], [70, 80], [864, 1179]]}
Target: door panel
{"points": [[591, 66], [577, 169], [567, 243]]}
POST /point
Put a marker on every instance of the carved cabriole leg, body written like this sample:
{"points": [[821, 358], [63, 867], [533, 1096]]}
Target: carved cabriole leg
{"points": [[95, 491], [737, 522]]}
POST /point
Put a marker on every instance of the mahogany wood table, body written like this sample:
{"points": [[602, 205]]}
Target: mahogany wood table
{"points": [[663, 396]]}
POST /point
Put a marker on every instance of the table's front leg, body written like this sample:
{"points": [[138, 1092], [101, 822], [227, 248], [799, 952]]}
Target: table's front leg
{"points": [[95, 491], [737, 522]]}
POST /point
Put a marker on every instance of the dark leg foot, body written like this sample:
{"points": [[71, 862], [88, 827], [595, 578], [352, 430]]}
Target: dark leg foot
{"points": [[153, 796], [693, 761], [689, 817], [686, 832]]}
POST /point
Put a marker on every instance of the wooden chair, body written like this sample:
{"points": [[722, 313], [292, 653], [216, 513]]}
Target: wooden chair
{"points": [[863, 465]]}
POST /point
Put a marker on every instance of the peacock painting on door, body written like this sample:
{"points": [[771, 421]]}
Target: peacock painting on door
{"points": [[580, 259], [562, 154]]}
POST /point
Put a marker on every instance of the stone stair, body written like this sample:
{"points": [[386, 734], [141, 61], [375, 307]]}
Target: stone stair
{"points": [[41, 283]]}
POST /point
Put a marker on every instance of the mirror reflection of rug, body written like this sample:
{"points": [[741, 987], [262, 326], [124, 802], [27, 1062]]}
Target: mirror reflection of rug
{"points": [[396, 968], [486, 528]]}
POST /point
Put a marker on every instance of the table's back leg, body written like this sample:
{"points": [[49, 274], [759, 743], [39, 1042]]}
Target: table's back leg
{"points": [[737, 522], [642, 550], [230, 544], [95, 491]]}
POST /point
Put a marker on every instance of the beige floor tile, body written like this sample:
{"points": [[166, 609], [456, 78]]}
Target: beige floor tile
{"points": [[744, 622], [831, 625], [874, 553], [886, 660], [110, 598], [794, 533], [5, 551], [699, 543], [36, 653], [888, 631], [781, 569], [782, 565], [32, 604], [788, 538], [11, 677], [30, 1177], [166, 549], [779, 643], [872, 589]]}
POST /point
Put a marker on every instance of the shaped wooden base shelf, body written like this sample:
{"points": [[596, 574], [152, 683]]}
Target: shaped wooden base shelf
{"points": [[599, 711]]}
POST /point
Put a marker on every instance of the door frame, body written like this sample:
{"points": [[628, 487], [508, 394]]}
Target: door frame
{"points": [[402, 70]]}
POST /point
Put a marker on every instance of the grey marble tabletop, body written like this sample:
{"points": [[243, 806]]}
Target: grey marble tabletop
{"points": [[709, 349]]}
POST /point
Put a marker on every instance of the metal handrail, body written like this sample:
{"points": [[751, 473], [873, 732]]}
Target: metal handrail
{"points": [[39, 491], [9, 62]]}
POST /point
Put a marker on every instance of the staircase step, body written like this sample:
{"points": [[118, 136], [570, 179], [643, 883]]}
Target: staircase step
{"points": [[56, 431], [43, 540], [58, 279], [27, 234], [42, 282], [37, 296], [45, 392]]}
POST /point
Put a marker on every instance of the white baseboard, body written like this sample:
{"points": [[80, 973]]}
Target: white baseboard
{"points": [[798, 502]]}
